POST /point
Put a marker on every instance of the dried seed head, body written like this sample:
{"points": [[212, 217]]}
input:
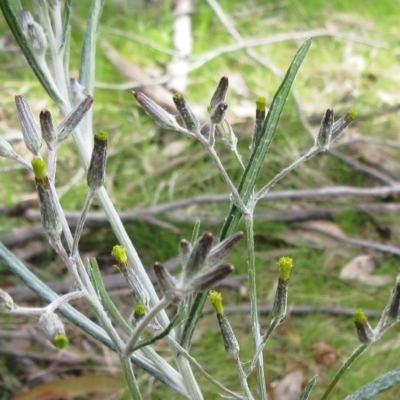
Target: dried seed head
{"points": [[97, 168], [32, 138], [54, 330]]}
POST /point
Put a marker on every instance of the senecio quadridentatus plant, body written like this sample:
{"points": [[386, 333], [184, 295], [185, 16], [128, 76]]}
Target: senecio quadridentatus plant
{"points": [[45, 43]]}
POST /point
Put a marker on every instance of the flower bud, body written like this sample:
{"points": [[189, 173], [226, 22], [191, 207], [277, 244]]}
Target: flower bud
{"points": [[340, 125], [218, 113], [139, 293], [51, 221], [162, 117], [74, 118], [54, 330], [325, 131], [97, 169], [48, 129], [211, 278], [190, 120], [6, 150], [279, 307], [198, 255], [221, 250], [167, 283], [6, 302], [220, 93], [394, 305], [185, 249], [34, 33], [364, 331], [259, 120], [31, 137]]}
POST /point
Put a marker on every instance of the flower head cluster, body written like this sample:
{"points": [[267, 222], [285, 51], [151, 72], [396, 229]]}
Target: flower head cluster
{"points": [[203, 267]]}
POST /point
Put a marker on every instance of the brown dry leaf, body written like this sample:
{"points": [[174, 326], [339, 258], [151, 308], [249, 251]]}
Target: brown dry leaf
{"points": [[360, 269], [290, 387], [324, 354]]}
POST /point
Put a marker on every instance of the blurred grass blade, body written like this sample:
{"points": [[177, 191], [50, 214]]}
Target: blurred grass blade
{"points": [[9, 7], [377, 386], [78, 319], [249, 177], [307, 390]]}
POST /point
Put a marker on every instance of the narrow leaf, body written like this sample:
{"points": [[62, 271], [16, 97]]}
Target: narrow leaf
{"points": [[307, 390]]}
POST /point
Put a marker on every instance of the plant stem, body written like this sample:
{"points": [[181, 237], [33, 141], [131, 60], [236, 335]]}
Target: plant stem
{"points": [[130, 379]]}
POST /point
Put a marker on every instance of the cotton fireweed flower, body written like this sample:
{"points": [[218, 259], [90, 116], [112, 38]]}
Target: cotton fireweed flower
{"points": [[230, 342], [279, 307], [340, 125], [97, 168], [50, 217], [364, 331], [32, 139], [54, 330], [139, 293], [259, 120], [190, 120]]}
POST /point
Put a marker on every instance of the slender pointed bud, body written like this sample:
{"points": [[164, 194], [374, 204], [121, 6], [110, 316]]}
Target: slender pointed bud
{"points": [[54, 330], [340, 125], [185, 249], [218, 113], [167, 283], [6, 150], [139, 293], [6, 302], [190, 120], [48, 129], [162, 117], [73, 119], [220, 93], [279, 307], [221, 250], [34, 33], [364, 331], [31, 137], [51, 221], [97, 169], [261, 103], [323, 139], [198, 255], [227, 135], [394, 306], [211, 277]]}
